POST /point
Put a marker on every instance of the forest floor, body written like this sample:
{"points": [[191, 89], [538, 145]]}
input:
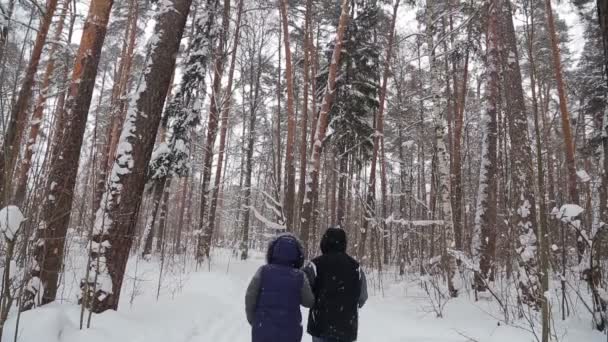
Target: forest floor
{"points": [[207, 305]]}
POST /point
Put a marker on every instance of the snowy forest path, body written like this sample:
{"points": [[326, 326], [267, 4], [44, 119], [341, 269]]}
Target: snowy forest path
{"points": [[207, 305]]}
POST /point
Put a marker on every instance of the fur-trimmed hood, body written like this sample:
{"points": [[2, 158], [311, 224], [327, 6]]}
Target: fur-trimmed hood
{"points": [[285, 249]]}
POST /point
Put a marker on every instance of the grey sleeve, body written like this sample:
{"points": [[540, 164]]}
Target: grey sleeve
{"points": [[363, 294], [310, 270], [251, 296], [308, 298]]}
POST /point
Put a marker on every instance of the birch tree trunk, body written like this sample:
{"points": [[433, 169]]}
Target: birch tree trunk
{"points": [[485, 230], [443, 158], [115, 221]]}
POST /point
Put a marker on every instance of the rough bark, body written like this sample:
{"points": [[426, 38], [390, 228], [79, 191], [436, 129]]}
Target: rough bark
{"points": [[563, 107], [15, 129], [305, 99], [321, 127], [522, 199], [456, 165], [290, 169], [118, 102], [115, 221], [65, 157]]}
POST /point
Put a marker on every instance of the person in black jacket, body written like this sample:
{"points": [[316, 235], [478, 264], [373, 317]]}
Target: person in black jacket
{"points": [[340, 289]]}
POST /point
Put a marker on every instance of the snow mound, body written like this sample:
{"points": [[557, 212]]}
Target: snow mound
{"points": [[10, 221]]}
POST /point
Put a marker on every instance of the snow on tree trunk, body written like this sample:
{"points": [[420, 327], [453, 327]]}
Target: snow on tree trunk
{"points": [[443, 158], [308, 46], [205, 236], [17, 122], [604, 170], [484, 231], [118, 105], [522, 200], [312, 179], [116, 218], [36, 121], [65, 157], [290, 169]]}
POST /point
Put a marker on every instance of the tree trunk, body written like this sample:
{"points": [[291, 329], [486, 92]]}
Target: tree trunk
{"points": [[226, 107], [456, 169], [255, 76], [204, 243], [565, 119], [443, 158], [543, 232], [523, 203], [5, 27], [162, 220], [36, 121], [186, 193], [10, 146], [484, 235], [380, 135], [290, 170], [64, 161], [305, 113], [158, 189], [115, 221], [321, 124]]}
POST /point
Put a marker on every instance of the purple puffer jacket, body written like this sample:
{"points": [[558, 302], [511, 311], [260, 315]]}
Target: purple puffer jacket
{"points": [[275, 293]]}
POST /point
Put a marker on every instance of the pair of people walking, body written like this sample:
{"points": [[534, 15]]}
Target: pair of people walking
{"points": [[332, 285]]}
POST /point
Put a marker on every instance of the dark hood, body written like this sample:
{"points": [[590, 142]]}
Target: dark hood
{"points": [[285, 250], [333, 241]]}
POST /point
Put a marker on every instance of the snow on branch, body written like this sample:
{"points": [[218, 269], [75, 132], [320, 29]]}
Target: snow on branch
{"points": [[263, 219], [416, 223], [568, 213]]}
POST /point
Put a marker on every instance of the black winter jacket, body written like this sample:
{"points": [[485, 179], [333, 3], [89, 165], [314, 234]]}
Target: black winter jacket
{"points": [[340, 289]]}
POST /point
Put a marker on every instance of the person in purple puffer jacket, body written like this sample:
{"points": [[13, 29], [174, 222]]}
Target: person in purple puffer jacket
{"points": [[277, 290]]}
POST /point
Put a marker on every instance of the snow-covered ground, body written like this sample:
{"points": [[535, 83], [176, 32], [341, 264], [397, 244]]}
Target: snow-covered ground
{"points": [[208, 305]]}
